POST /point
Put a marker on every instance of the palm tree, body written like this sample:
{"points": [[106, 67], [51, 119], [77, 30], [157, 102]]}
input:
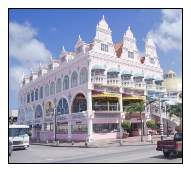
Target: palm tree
{"points": [[177, 111], [137, 107]]}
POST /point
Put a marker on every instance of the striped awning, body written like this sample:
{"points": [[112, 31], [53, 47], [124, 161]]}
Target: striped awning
{"points": [[149, 78], [113, 70], [98, 67], [158, 79], [133, 98], [126, 73], [138, 75], [104, 94]]}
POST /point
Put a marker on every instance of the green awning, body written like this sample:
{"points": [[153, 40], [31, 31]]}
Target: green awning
{"points": [[98, 67], [138, 75], [112, 70], [126, 73], [149, 78]]}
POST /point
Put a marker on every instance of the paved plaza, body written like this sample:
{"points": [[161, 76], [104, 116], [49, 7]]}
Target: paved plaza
{"points": [[112, 152]]}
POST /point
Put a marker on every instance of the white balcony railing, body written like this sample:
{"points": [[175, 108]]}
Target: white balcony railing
{"points": [[106, 107], [129, 84], [114, 81], [99, 79], [151, 86], [140, 85]]}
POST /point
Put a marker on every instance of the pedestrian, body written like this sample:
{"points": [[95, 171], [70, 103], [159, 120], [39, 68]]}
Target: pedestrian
{"points": [[150, 137]]}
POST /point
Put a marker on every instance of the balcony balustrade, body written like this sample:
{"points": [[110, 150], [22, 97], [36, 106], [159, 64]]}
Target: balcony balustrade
{"points": [[140, 85], [106, 107], [114, 81], [99, 79], [155, 87], [126, 83]]}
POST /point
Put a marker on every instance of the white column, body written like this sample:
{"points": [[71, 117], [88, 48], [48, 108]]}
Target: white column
{"points": [[121, 115], [54, 123], [121, 102], [89, 100], [90, 128], [89, 114], [161, 120], [89, 73], [70, 125]]}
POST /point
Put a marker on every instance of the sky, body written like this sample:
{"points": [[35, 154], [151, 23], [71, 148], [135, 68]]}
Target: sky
{"points": [[37, 34]]}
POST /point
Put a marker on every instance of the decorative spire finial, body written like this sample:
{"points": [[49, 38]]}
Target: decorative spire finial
{"points": [[40, 65], [23, 75], [63, 49], [129, 28], [50, 58], [79, 37], [103, 17]]}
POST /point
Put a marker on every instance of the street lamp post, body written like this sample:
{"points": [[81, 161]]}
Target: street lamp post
{"points": [[161, 120], [55, 125]]}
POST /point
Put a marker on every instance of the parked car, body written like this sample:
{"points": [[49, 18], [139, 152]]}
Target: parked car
{"points": [[171, 147], [10, 148]]}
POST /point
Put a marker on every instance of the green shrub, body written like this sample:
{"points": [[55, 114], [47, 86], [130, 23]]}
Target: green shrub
{"points": [[126, 125], [151, 124]]}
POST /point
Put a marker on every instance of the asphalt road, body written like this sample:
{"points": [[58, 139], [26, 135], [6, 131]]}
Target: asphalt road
{"points": [[112, 154]]}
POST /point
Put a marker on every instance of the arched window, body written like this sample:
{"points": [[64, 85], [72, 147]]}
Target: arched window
{"points": [[41, 92], [28, 97], [49, 109], [29, 114], [38, 112], [52, 88], [47, 90], [74, 79], [32, 96], [62, 107], [58, 85], [66, 82], [36, 94], [21, 116], [83, 75], [79, 103]]}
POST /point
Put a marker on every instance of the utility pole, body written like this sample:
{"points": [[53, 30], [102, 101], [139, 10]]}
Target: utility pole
{"points": [[55, 125], [161, 120]]}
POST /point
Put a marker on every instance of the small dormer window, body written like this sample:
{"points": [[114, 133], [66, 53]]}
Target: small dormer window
{"points": [[152, 61], [39, 72], [104, 47], [50, 66], [31, 78], [130, 55], [79, 49]]}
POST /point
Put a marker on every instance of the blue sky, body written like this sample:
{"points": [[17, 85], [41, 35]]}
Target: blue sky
{"points": [[46, 31]]}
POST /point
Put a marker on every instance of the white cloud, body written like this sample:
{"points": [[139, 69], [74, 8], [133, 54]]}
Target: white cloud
{"points": [[168, 34], [25, 51], [24, 46], [15, 77]]}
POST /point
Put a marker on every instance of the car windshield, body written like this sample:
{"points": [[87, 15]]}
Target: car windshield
{"points": [[13, 132]]}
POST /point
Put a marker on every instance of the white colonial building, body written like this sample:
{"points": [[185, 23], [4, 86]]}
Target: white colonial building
{"points": [[88, 89]]}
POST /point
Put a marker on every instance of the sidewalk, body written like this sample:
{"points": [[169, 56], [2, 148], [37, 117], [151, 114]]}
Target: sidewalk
{"points": [[106, 143]]}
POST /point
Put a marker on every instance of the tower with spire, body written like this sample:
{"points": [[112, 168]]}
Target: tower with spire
{"points": [[130, 50], [103, 39], [79, 47], [151, 57]]}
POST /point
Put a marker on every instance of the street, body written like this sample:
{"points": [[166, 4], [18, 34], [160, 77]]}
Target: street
{"points": [[132, 153]]}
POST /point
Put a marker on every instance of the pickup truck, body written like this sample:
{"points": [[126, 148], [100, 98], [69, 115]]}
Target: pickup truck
{"points": [[171, 147]]}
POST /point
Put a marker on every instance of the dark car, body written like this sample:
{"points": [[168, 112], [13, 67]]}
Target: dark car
{"points": [[10, 148], [171, 147]]}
